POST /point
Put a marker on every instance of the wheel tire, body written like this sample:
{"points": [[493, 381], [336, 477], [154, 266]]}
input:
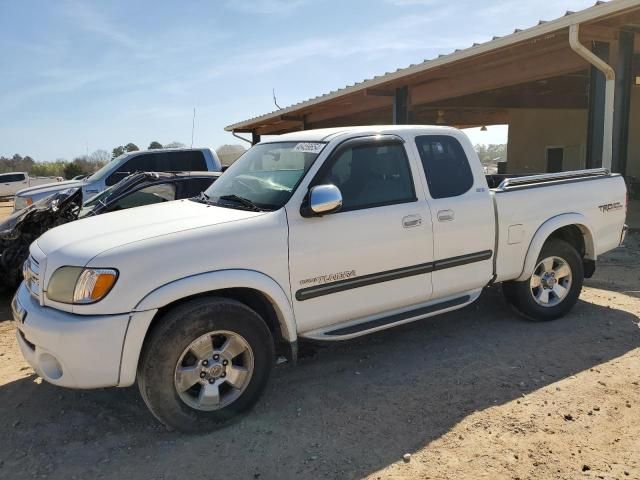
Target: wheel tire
{"points": [[521, 296], [172, 337]]}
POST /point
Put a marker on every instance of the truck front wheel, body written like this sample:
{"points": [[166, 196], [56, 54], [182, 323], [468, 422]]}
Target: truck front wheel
{"points": [[205, 363], [553, 288]]}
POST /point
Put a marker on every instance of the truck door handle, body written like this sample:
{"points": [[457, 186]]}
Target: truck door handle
{"points": [[411, 221], [445, 215]]}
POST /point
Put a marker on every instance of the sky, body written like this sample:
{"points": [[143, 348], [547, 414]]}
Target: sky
{"points": [[80, 76]]}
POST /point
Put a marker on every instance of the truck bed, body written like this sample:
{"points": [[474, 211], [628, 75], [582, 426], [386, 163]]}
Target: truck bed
{"points": [[525, 202]]}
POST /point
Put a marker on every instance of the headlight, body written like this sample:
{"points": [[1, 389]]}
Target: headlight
{"points": [[79, 285], [21, 203]]}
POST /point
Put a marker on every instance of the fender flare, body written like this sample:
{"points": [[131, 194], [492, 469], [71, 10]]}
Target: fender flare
{"points": [[144, 312], [221, 279], [544, 232]]}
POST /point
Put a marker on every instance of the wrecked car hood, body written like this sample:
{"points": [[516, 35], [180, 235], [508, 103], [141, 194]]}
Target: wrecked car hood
{"points": [[19, 230], [49, 204], [50, 188]]}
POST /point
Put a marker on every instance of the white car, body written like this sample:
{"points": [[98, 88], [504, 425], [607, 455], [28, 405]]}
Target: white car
{"points": [[326, 235], [160, 160]]}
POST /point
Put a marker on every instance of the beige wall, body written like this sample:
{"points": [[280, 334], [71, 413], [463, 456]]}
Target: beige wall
{"points": [[531, 131]]}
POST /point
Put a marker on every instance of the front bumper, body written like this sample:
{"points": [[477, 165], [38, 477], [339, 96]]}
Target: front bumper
{"points": [[77, 351]]}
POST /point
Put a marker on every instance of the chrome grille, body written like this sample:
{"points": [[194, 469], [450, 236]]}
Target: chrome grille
{"points": [[31, 274]]}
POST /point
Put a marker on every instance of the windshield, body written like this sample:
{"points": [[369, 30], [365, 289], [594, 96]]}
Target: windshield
{"points": [[101, 198], [107, 169], [116, 190], [265, 176]]}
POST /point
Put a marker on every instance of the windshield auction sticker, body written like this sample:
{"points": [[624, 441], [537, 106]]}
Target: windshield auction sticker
{"points": [[308, 147]]}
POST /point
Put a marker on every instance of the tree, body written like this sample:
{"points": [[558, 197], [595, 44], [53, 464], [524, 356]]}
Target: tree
{"points": [[175, 145], [71, 170], [49, 169], [116, 152], [491, 155], [119, 150], [99, 157], [229, 153], [26, 164], [17, 163], [155, 145]]}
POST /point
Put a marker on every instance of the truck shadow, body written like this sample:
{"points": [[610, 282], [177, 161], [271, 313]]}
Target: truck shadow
{"points": [[347, 410]]}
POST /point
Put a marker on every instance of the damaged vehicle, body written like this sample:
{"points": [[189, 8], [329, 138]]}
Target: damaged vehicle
{"points": [[19, 230], [160, 160]]}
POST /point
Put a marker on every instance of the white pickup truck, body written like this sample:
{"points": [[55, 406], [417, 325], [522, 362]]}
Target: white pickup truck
{"points": [[11, 182], [321, 234]]}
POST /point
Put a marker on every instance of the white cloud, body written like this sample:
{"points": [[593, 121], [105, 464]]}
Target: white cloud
{"points": [[379, 39], [99, 24]]}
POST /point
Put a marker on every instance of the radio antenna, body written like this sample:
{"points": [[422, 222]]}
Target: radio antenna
{"points": [[193, 125], [273, 90]]}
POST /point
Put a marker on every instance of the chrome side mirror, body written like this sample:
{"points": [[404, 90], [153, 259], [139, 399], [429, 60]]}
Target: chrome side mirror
{"points": [[324, 199]]}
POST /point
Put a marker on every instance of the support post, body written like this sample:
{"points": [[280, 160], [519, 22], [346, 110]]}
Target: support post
{"points": [[255, 137], [622, 101], [609, 90], [595, 124], [401, 106]]}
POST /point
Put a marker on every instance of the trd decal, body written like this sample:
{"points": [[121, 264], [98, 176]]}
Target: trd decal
{"points": [[607, 207], [331, 277]]}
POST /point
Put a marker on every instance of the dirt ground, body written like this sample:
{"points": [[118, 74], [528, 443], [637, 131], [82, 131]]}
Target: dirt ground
{"points": [[6, 208], [478, 393]]}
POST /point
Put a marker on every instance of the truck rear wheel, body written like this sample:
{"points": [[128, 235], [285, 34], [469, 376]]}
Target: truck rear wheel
{"points": [[553, 288], [205, 363]]}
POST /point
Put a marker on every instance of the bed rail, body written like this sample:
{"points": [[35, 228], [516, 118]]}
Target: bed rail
{"points": [[552, 177]]}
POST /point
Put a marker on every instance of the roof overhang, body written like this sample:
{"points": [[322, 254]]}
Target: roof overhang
{"points": [[529, 55]]}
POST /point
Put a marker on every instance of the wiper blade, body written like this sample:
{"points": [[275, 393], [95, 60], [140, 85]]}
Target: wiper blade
{"points": [[242, 201]]}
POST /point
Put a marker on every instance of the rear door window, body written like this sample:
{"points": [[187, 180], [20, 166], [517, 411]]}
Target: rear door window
{"points": [[141, 163], [182, 161], [12, 177], [187, 161], [445, 165]]}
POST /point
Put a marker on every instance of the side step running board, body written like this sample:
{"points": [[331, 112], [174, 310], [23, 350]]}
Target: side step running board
{"points": [[398, 317]]}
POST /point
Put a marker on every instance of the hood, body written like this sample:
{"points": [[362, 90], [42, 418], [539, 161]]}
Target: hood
{"points": [[80, 241], [49, 188]]}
